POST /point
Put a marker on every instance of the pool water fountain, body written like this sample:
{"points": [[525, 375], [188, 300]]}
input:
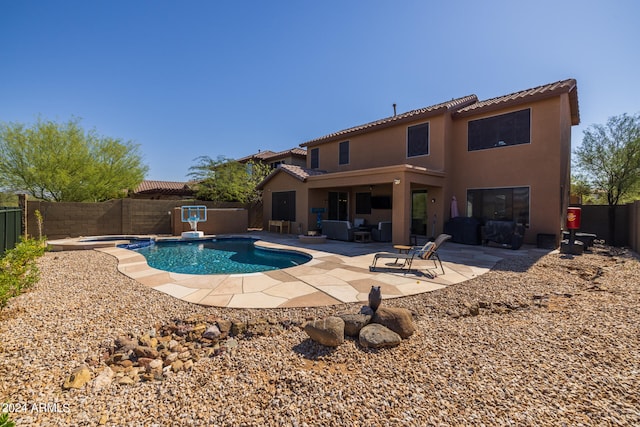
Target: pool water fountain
{"points": [[193, 215]]}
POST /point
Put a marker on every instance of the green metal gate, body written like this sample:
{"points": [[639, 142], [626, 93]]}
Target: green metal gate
{"points": [[10, 228]]}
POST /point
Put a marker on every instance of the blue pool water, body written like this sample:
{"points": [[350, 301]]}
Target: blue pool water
{"points": [[217, 256]]}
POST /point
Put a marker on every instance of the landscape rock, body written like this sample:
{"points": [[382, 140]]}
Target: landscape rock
{"points": [[375, 335], [78, 378], [238, 327], [365, 309], [126, 380], [103, 380], [212, 333], [398, 319], [177, 366], [224, 326], [144, 351], [126, 343], [354, 322], [328, 331]]}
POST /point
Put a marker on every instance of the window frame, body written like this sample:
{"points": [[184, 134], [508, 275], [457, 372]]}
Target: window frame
{"points": [[314, 158], [428, 142], [343, 155], [499, 131]]}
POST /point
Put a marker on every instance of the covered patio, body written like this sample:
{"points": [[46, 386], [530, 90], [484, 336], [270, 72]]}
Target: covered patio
{"points": [[398, 184]]}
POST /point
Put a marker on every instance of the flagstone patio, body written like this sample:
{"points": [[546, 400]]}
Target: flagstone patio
{"points": [[338, 273]]}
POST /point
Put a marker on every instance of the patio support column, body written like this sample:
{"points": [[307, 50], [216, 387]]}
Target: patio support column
{"points": [[401, 214]]}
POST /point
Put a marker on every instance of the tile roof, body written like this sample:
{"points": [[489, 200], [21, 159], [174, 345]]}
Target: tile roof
{"points": [[270, 155], [296, 152], [454, 104], [528, 95], [260, 155], [465, 106], [297, 172], [165, 187]]}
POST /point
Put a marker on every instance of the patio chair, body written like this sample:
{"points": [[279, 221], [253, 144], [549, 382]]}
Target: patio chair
{"points": [[427, 252]]}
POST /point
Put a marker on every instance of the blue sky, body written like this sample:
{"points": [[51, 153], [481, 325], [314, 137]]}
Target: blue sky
{"points": [[190, 78]]}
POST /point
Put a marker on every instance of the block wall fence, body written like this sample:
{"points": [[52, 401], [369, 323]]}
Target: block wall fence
{"points": [[162, 217], [134, 216]]}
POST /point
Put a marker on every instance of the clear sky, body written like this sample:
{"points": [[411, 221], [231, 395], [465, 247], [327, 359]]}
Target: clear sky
{"points": [[190, 78]]}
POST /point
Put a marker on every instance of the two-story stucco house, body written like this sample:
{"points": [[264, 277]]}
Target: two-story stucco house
{"points": [[503, 158]]}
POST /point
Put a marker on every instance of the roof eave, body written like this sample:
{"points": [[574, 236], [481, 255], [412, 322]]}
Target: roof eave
{"points": [[384, 123], [268, 178], [571, 89]]}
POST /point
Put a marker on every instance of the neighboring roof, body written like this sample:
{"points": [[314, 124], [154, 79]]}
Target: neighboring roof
{"points": [[269, 155], [534, 94], [164, 187], [412, 115], [260, 155], [297, 172]]}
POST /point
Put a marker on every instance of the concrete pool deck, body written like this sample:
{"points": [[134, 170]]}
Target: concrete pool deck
{"points": [[338, 273]]}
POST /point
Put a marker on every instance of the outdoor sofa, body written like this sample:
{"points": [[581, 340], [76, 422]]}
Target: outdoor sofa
{"points": [[338, 230], [382, 232]]}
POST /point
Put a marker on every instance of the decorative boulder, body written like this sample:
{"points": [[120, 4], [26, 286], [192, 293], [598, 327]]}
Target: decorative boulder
{"points": [[375, 335], [365, 309], [354, 322], [395, 318], [329, 331]]}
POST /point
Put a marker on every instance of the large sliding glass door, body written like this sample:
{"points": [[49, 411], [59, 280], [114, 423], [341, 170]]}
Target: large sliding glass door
{"points": [[505, 204]]}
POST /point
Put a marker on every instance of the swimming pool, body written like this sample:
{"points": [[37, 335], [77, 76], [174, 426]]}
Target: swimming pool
{"points": [[215, 256]]}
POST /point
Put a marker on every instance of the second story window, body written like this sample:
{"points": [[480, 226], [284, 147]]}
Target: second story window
{"points": [[315, 158], [500, 131], [344, 153], [418, 140]]}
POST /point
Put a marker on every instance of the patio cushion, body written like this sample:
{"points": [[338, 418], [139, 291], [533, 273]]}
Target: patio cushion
{"points": [[337, 230], [383, 232]]}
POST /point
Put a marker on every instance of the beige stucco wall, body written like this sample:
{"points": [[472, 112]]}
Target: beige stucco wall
{"points": [[385, 147], [541, 165], [219, 221], [285, 182]]}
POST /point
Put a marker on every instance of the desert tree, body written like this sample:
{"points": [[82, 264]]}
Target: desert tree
{"points": [[608, 161], [228, 180], [64, 163]]}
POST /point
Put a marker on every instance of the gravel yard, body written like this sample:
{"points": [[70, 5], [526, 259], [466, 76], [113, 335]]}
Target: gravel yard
{"points": [[548, 341]]}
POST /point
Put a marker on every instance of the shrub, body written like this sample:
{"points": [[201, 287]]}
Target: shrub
{"points": [[18, 268], [5, 421]]}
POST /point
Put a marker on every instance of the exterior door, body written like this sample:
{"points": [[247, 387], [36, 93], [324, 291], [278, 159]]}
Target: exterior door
{"points": [[419, 217], [338, 206], [283, 205]]}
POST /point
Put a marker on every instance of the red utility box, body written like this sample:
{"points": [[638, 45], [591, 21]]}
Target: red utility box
{"points": [[573, 218]]}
